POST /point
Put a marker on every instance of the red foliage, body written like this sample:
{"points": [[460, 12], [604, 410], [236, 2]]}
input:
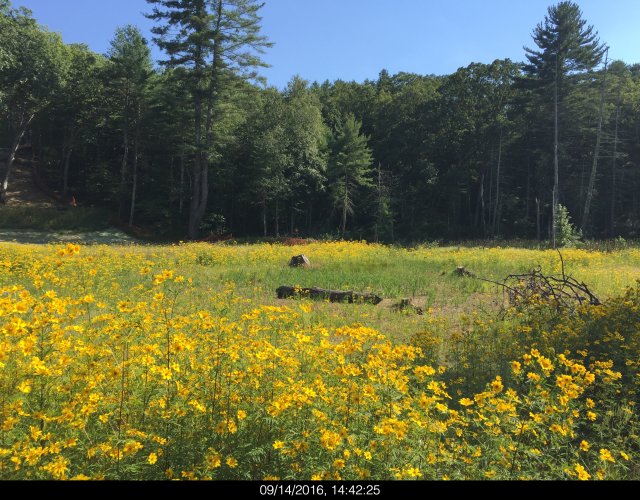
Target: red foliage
{"points": [[290, 242], [216, 238]]}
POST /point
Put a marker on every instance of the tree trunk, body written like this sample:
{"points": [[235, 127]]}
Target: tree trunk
{"points": [[277, 218], [125, 154], [123, 169], [13, 150], [491, 184], [66, 160], [556, 167], [200, 192], [264, 216], [475, 222], [494, 224], [200, 181], [345, 205], [612, 223], [63, 159], [594, 167], [65, 172], [538, 233], [469, 214], [393, 234], [528, 191], [196, 184], [376, 235], [199, 185], [204, 190], [482, 207], [581, 191], [181, 184], [134, 187], [36, 151]]}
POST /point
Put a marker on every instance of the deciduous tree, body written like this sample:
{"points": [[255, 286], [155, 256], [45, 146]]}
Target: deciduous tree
{"points": [[32, 67]]}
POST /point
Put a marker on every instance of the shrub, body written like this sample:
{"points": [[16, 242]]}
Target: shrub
{"points": [[566, 233]]}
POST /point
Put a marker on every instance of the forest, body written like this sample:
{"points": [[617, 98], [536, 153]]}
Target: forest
{"points": [[462, 302], [199, 144]]}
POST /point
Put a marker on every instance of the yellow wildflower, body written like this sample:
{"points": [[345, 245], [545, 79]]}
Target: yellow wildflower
{"points": [[583, 475], [496, 385], [533, 376], [605, 456]]}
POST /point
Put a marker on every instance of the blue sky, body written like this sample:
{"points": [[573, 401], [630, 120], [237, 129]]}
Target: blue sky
{"points": [[355, 39]]}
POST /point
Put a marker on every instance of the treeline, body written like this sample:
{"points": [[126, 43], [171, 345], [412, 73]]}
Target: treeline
{"points": [[196, 145]]}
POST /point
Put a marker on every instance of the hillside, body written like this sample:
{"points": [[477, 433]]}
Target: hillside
{"points": [[34, 213], [22, 191]]}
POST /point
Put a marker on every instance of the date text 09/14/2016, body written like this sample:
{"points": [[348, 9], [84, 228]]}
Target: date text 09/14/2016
{"points": [[320, 490]]}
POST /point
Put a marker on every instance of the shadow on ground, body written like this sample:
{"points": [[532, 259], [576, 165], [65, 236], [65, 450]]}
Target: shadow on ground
{"points": [[106, 237]]}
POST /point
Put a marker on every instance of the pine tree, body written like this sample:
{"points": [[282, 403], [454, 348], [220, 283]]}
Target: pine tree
{"points": [[568, 47], [351, 168], [129, 74], [207, 39]]}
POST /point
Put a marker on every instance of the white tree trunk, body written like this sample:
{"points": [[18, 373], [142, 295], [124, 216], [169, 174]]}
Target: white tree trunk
{"points": [[612, 227], [13, 150], [596, 154], [556, 161]]}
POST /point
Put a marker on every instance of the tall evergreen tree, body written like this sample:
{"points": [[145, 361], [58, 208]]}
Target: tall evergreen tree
{"points": [[350, 168], [129, 74], [207, 39], [567, 47]]}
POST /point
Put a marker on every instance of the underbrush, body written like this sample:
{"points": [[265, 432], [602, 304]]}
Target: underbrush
{"points": [[48, 219]]}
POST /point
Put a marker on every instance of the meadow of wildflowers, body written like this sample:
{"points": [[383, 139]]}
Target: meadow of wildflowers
{"points": [[179, 363]]}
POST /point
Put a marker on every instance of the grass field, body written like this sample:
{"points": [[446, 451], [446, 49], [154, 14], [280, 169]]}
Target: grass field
{"points": [[148, 362]]}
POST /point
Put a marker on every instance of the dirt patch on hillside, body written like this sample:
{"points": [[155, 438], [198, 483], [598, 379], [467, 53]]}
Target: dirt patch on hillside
{"points": [[22, 192]]}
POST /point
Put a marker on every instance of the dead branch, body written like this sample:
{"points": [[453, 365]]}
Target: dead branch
{"points": [[534, 287]]}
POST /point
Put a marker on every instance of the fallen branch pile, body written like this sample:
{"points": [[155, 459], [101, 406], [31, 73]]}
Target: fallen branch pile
{"points": [[565, 292]]}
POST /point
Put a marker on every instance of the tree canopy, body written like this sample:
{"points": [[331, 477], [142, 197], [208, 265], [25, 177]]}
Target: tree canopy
{"points": [[200, 143]]}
